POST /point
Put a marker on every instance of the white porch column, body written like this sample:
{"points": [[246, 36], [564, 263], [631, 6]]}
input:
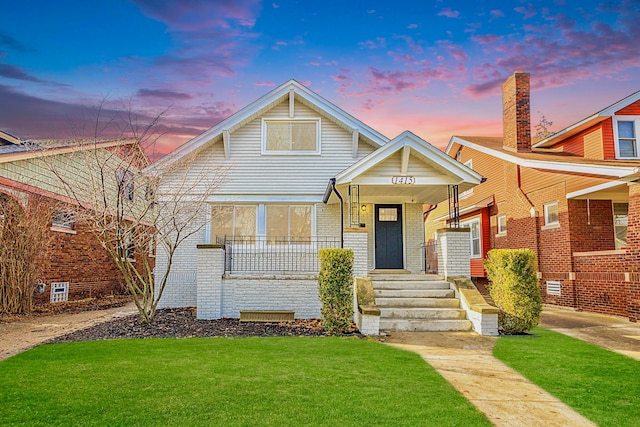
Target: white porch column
{"points": [[209, 281], [454, 252], [356, 239]]}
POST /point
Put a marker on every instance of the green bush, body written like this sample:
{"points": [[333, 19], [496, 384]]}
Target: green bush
{"points": [[335, 284], [514, 288]]}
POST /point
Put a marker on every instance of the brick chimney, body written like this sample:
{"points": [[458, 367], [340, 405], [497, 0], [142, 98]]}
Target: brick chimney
{"points": [[516, 115]]}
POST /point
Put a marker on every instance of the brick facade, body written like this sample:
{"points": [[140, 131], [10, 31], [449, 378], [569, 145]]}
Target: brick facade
{"points": [[516, 114]]}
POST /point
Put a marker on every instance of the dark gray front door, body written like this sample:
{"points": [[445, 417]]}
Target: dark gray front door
{"points": [[388, 237]]}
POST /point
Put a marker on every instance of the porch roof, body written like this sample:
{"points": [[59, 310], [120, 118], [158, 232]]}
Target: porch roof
{"points": [[407, 169]]}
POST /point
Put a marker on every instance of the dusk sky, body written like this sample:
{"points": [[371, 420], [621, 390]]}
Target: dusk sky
{"points": [[432, 67]]}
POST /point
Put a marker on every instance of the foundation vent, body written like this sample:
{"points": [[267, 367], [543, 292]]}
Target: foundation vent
{"points": [[553, 288], [59, 291], [272, 316]]}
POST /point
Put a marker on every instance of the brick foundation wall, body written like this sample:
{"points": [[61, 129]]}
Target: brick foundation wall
{"points": [[600, 284], [633, 252]]}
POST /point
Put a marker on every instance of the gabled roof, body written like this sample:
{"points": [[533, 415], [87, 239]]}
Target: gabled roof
{"points": [[264, 104], [408, 140], [34, 149], [587, 122], [549, 160]]}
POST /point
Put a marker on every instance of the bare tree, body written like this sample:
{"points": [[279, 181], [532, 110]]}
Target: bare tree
{"points": [[24, 233], [111, 192], [543, 127]]}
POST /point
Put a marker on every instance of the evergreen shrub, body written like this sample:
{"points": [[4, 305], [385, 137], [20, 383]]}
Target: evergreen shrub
{"points": [[335, 283], [514, 288]]}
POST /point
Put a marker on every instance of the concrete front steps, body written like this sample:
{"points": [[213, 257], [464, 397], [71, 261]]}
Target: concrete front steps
{"points": [[417, 302]]}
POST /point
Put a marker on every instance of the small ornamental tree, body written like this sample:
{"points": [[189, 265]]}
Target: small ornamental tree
{"points": [[335, 283], [514, 288]]}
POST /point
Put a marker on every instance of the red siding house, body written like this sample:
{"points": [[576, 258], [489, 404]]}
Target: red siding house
{"points": [[573, 198]]}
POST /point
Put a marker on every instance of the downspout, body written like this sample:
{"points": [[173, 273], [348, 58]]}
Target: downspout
{"points": [[332, 188]]}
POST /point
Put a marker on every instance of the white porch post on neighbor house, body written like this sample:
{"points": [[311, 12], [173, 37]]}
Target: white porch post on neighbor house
{"points": [[209, 281], [454, 252], [356, 239]]}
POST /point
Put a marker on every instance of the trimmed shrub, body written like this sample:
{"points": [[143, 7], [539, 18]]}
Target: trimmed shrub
{"points": [[514, 288], [335, 283]]}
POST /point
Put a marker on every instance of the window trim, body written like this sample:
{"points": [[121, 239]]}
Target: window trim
{"points": [[125, 184], [549, 224], [502, 232], [615, 226], [616, 140], [467, 224], [61, 226], [316, 152]]}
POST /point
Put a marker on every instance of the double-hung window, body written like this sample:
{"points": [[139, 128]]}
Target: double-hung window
{"points": [[233, 222], [620, 220], [626, 135], [125, 184], [502, 224], [288, 224], [474, 237], [291, 136], [551, 214]]}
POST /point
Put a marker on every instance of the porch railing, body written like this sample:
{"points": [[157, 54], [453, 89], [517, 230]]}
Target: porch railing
{"points": [[430, 257], [274, 254]]}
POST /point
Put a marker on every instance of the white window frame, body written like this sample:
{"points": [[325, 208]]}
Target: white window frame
{"points": [[261, 218], [502, 231], [62, 225], [467, 224], [636, 127], [125, 184], [547, 222], [616, 226], [469, 192], [317, 151]]}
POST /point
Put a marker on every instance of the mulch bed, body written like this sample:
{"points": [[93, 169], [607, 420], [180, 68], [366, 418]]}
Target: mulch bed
{"points": [[182, 323]]}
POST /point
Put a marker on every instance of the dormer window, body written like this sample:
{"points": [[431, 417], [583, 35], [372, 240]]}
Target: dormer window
{"points": [[626, 136], [291, 137]]}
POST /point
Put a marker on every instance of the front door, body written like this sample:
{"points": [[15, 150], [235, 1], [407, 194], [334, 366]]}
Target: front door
{"points": [[388, 236]]}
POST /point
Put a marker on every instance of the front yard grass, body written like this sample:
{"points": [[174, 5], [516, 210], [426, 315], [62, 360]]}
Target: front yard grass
{"points": [[602, 385], [221, 381]]}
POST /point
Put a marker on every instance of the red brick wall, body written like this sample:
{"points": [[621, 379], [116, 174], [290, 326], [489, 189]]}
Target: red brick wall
{"points": [[516, 112], [591, 225], [600, 284], [633, 252]]}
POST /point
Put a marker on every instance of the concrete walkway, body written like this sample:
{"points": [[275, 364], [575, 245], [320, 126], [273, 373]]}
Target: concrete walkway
{"points": [[505, 397], [613, 333], [16, 337]]}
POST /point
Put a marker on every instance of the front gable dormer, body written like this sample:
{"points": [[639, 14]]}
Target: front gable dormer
{"points": [[610, 134]]}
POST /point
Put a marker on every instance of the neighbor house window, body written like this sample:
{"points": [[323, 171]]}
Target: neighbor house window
{"points": [[469, 164], [62, 220], [288, 223], [627, 138], [233, 222], [474, 236], [551, 213], [291, 136], [127, 247], [502, 224], [125, 184], [620, 218]]}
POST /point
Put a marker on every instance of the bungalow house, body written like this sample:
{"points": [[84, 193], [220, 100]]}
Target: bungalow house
{"points": [[296, 173], [573, 198], [74, 265]]}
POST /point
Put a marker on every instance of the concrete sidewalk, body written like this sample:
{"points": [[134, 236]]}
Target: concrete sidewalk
{"points": [[505, 397], [613, 333]]}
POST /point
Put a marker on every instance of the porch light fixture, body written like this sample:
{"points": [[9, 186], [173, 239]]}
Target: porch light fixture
{"points": [[363, 208]]}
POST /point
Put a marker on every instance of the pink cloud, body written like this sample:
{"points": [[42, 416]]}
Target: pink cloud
{"points": [[449, 13], [496, 13], [378, 43], [486, 39], [528, 12], [264, 84]]}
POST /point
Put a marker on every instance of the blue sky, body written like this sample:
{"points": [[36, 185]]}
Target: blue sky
{"points": [[432, 67]]}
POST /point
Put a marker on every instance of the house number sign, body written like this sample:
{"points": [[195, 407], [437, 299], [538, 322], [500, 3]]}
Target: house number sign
{"points": [[403, 179]]}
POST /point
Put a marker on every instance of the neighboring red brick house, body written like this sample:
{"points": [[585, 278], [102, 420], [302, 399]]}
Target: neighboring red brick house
{"points": [[573, 198], [75, 266]]}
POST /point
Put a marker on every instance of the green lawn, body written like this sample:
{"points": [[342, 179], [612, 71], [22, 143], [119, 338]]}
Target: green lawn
{"points": [[219, 381], [601, 385]]}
